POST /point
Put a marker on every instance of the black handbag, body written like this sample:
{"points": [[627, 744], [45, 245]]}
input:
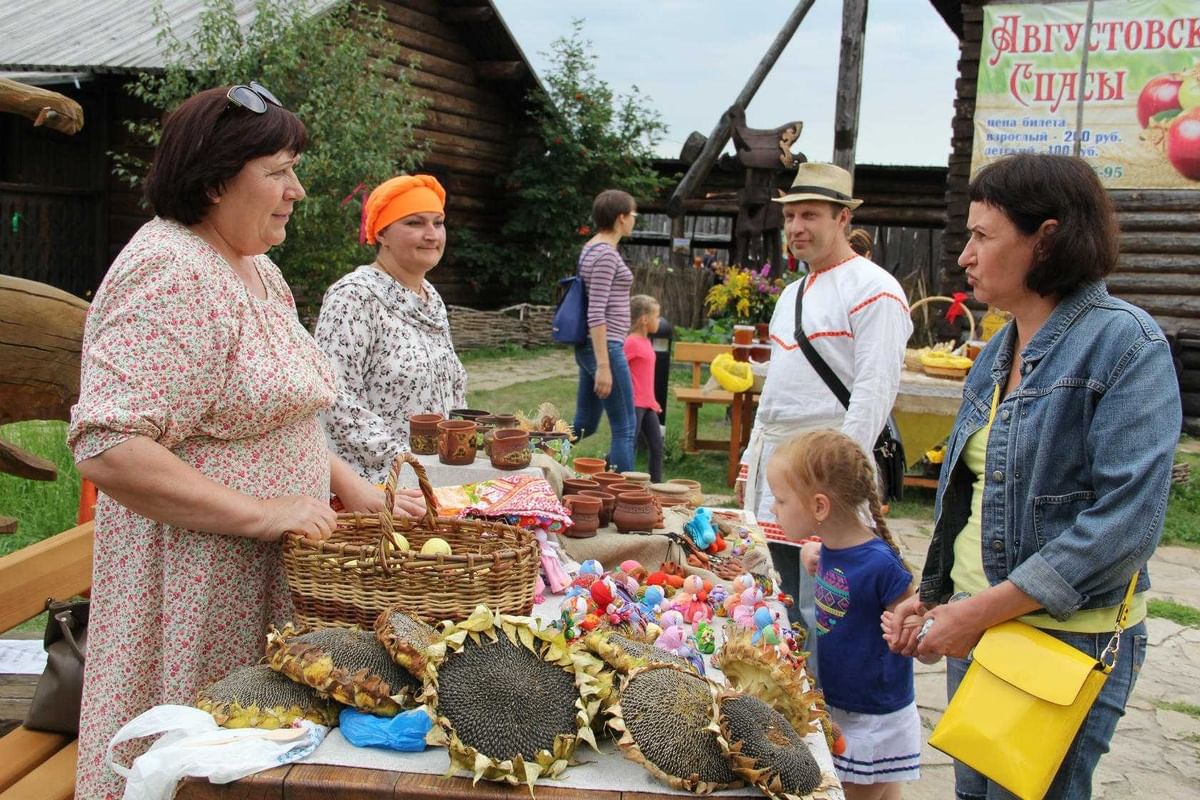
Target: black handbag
{"points": [[55, 704], [888, 450]]}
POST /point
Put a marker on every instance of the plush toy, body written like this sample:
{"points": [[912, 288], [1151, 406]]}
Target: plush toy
{"points": [[716, 600], [552, 563], [539, 590], [766, 629], [687, 600], [749, 602], [700, 528], [652, 598], [705, 639]]}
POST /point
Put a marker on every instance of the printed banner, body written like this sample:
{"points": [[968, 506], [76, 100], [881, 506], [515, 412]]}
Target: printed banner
{"points": [[1141, 93]]}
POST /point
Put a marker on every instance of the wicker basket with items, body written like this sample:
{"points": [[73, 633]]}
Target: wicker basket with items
{"points": [[943, 359], [433, 568]]}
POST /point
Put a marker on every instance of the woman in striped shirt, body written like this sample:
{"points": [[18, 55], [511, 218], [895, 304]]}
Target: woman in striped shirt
{"points": [[604, 381]]}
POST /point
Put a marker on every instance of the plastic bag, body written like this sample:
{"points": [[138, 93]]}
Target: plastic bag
{"points": [[733, 376], [193, 745], [405, 731]]}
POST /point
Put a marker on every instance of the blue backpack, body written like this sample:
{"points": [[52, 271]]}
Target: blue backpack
{"points": [[570, 317]]}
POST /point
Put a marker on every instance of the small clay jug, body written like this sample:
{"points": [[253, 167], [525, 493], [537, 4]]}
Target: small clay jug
{"points": [[585, 516], [587, 467], [456, 442], [423, 433], [576, 485], [607, 503], [510, 449], [608, 478], [635, 511]]}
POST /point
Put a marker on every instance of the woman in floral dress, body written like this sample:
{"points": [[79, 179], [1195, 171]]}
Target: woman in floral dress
{"points": [[197, 420], [385, 329]]}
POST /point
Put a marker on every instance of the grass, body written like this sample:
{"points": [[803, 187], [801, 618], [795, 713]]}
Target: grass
{"points": [[42, 508], [1182, 708], [477, 354], [1176, 612], [1182, 523]]}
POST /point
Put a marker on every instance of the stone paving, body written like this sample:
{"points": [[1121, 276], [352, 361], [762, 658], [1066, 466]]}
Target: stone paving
{"points": [[1156, 751]]}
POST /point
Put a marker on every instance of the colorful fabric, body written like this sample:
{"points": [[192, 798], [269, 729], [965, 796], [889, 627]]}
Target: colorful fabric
{"points": [[400, 197], [523, 499], [394, 357], [177, 349]]}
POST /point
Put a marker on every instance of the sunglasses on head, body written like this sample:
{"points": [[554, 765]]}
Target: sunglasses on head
{"points": [[252, 98]]}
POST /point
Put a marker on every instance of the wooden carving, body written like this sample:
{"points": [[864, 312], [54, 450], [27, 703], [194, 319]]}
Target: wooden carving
{"points": [[41, 336], [42, 106], [763, 148]]}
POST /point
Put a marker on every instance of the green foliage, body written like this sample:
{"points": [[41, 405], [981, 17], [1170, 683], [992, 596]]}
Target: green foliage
{"points": [[1179, 707], [42, 508], [1178, 613], [337, 71], [715, 331], [587, 139], [1182, 522]]}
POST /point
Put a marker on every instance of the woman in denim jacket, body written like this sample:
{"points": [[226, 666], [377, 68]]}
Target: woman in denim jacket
{"points": [[1057, 472]]}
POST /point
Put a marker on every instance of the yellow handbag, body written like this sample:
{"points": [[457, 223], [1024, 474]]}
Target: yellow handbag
{"points": [[1019, 706]]}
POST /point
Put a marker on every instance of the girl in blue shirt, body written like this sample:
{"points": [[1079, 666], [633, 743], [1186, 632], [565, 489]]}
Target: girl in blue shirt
{"points": [[825, 486]]}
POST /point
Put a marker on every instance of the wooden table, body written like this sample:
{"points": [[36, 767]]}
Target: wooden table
{"points": [[320, 782], [924, 412], [741, 420]]}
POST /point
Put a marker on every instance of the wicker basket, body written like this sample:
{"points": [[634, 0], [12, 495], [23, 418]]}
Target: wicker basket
{"points": [[912, 356], [351, 577]]}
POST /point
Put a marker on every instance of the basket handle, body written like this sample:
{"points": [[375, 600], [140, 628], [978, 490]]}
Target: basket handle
{"points": [[389, 486], [942, 298]]}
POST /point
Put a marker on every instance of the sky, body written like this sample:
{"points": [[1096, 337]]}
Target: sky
{"points": [[692, 58]]}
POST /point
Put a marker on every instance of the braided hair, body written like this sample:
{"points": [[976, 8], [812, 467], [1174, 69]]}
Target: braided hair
{"points": [[833, 463]]}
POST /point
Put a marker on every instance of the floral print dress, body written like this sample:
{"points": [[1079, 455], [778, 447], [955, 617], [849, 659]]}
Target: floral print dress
{"points": [[176, 349], [394, 358]]}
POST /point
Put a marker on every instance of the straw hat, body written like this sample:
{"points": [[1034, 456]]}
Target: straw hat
{"points": [[825, 182]]}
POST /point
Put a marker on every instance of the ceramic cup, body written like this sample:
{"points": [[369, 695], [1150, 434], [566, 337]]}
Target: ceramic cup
{"points": [[456, 442], [576, 485], [423, 433], [510, 448], [635, 511], [585, 516], [607, 503], [589, 466]]}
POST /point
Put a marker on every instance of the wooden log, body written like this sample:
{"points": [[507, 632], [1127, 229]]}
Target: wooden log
{"points": [[1160, 242], [41, 331], [1170, 221], [1154, 200], [8, 524], [720, 135], [1169, 305], [41, 106], [1151, 283], [1160, 262], [849, 85], [15, 461], [1191, 403], [469, 14], [501, 70]]}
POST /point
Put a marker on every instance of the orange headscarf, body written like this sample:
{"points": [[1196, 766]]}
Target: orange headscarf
{"points": [[399, 197]]}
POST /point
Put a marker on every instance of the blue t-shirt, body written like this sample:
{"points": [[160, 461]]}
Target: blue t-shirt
{"points": [[853, 587]]}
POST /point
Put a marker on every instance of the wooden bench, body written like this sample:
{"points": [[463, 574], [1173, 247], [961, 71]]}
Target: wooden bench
{"points": [[35, 765], [699, 355]]}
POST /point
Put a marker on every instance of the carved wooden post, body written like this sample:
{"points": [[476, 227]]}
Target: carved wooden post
{"points": [[849, 92]]}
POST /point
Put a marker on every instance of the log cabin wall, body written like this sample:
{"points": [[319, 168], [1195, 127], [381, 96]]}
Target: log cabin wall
{"points": [[1159, 266]]}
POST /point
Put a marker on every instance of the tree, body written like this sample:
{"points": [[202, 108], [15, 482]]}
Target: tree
{"points": [[338, 72], [587, 139]]}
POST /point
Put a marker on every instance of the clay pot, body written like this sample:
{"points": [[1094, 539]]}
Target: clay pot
{"points": [[589, 466], [585, 516], [635, 511], [576, 485], [672, 502], [695, 491], [624, 486], [471, 414], [489, 424], [423, 433], [641, 478], [607, 503], [510, 449], [608, 478], [670, 491], [456, 442]]}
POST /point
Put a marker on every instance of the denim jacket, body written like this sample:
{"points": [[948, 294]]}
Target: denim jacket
{"points": [[1078, 463]]}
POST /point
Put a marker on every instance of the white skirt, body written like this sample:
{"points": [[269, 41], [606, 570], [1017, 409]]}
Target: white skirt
{"points": [[880, 748]]}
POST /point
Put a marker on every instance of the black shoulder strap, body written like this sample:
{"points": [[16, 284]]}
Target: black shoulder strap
{"points": [[827, 374]]}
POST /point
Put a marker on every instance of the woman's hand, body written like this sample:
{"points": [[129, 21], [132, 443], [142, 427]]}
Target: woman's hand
{"points": [[901, 625], [409, 503], [301, 514], [953, 629], [604, 381]]}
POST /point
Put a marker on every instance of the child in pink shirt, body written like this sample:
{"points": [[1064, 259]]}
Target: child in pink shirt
{"points": [[643, 313]]}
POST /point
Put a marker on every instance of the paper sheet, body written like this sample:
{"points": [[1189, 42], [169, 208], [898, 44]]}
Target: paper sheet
{"points": [[22, 657]]}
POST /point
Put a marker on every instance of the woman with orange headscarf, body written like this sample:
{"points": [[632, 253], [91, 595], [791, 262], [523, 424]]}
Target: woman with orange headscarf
{"points": [[385, 329]]}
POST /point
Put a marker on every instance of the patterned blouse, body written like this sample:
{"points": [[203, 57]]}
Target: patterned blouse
{"points": [[393, 356]]}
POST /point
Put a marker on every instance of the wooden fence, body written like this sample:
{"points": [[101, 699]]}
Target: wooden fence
{"points": [[680, 292]]}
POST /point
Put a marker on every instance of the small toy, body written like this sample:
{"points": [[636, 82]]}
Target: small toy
{"points": [[749, 602], [700, 528], [705, 638], [766, 630], [716, 600], [651, 600]]}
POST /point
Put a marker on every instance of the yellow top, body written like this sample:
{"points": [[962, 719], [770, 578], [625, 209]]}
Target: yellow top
{"points": [[967, 572]]}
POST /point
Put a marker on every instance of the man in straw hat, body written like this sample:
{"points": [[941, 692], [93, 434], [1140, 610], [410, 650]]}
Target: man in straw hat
{"points": [[855, 315]]}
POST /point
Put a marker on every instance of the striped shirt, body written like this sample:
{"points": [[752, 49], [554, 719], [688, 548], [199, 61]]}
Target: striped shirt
{"points": [[608, 283]]}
